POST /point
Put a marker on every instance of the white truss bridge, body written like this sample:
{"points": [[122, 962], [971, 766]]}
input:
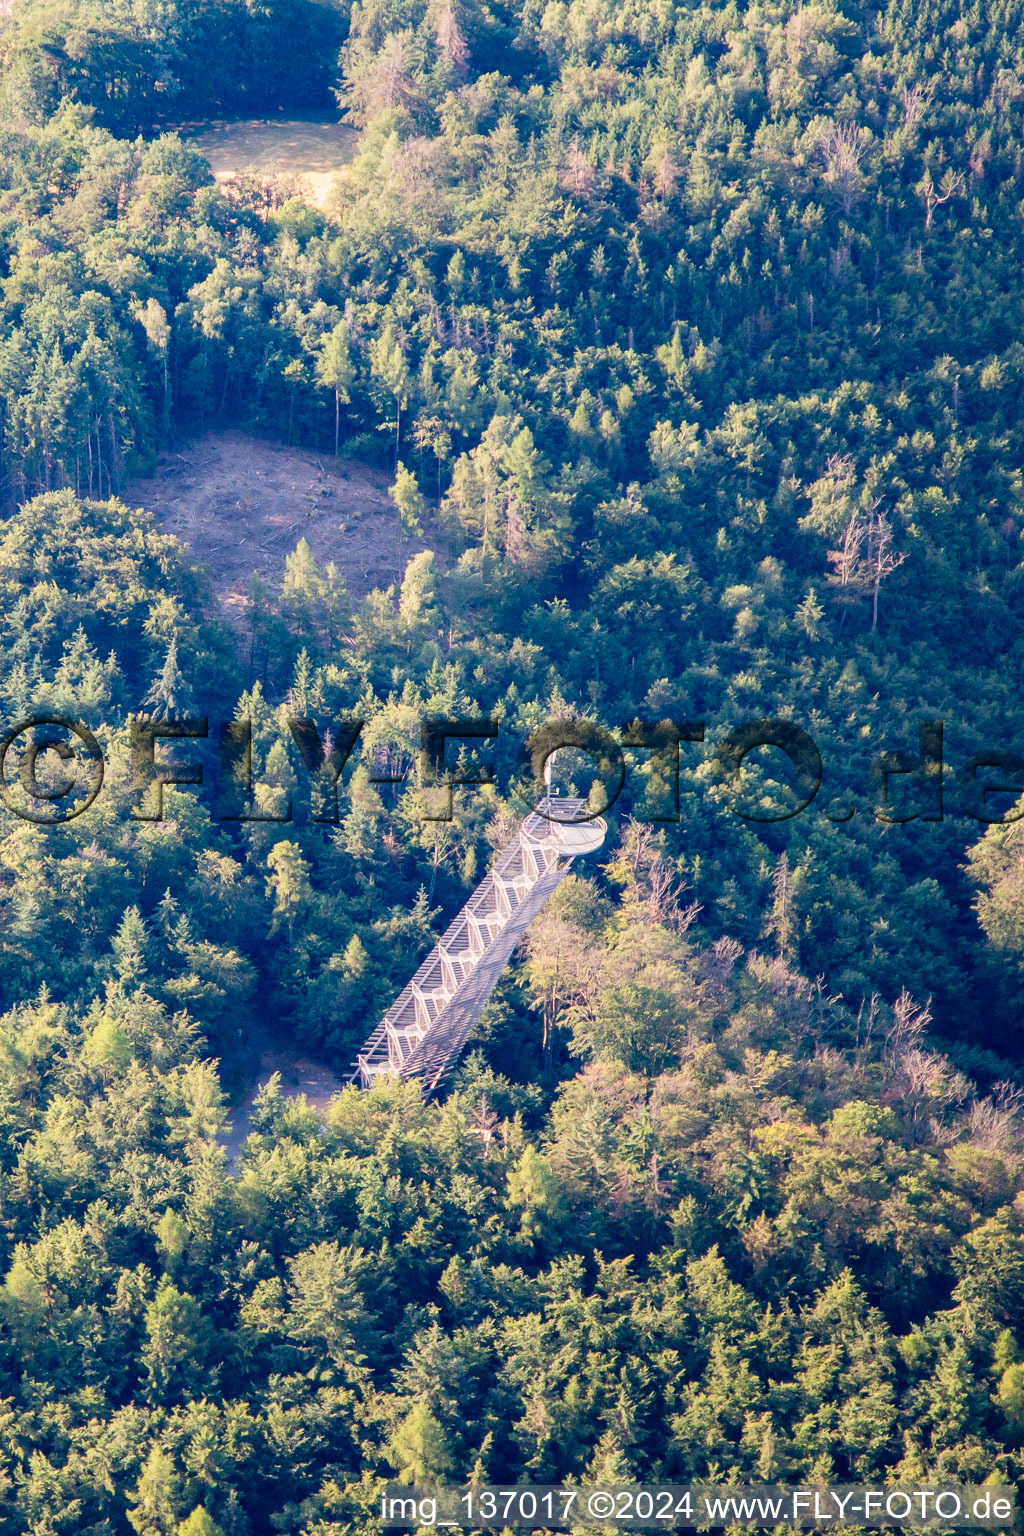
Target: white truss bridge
{"points": [[427, 1026]]}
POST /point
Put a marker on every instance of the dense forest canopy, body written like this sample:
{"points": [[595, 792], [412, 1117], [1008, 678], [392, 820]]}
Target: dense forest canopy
{"points": [[696, 330], [136, 62]]}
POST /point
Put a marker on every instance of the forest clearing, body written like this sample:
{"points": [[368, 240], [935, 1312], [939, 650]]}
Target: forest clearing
{"points": [[241, 504], [314, 150]]}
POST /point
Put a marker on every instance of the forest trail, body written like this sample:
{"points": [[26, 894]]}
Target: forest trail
{"points": [[300, 1077], [241, 504], [315, 150]]}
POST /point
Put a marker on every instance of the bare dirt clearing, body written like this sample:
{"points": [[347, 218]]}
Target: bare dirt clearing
{"points": [[241, 504], [316, 151]]}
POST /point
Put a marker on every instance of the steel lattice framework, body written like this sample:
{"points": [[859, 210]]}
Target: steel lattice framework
{"points": [[427, 1026]]}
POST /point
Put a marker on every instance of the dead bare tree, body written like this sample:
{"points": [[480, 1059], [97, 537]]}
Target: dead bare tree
{"points": [[926, 1081], [996, 1124], [867, 1029], [865, 558], [883, 559], [780, 920], [933, 197], [913, 99], [578, 174], [653, 893], [847, 574], [450, 41], [842, 152], [724, 955], [919, 1078], [839, 260], [666, 177], [909, 1024]]}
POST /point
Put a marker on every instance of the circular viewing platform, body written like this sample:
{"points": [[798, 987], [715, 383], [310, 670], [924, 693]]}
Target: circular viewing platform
{"points": [[569, 838]]}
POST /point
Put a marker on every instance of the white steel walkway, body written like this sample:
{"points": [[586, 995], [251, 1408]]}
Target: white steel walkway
{"points": [[427, 1026]]}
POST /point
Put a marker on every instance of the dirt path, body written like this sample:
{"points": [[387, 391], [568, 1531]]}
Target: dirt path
{"points": [[241, 504], [314, 150], [300, 1077]]}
